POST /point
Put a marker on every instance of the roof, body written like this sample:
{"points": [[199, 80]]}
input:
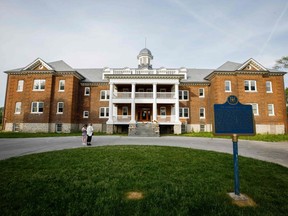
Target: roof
{"points": [[229, 66], [60, 66], [92, 74]]}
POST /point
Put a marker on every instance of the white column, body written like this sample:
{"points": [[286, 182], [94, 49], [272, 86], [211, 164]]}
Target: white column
{"points": [[110, 120], [154, 101], [177, 103], [133, 107]]}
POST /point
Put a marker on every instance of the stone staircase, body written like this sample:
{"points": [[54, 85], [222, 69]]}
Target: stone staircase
{"points": [[144, 129]]}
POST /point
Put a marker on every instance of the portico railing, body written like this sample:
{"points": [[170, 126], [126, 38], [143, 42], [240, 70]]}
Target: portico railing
{"points": [[144, 95], [160, 119]]}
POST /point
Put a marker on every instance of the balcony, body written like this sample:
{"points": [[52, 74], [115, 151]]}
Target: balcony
{"points": [[143, 95], [125, 119]]}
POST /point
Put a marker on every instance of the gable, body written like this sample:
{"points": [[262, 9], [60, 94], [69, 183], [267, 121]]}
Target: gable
{"points": [[38, 65], [251, 65]]}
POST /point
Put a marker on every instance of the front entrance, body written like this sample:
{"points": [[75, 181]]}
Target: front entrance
{"points": [[144, 114]]}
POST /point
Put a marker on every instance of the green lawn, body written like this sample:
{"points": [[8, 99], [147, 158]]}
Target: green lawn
{"points": [[172, 181]]}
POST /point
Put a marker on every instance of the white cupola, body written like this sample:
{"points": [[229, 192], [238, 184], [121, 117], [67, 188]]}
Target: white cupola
{"points": [[145, 59]]}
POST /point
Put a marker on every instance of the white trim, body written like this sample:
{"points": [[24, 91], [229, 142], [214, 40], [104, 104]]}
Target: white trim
{"points": [[106, 95], [202, 117], [249, 85], [201, 96], [273, 111], [41, 62], [61, 90], [21, 85], [181, 94], [229, 84], [39, 83], [58, 108], [87, 94], [182, 109], [270, 86], [105, 112], [18, 108], [85, 112], [37, 106], [251, 60]]}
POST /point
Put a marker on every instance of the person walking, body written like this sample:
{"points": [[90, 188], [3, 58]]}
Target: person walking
{"points": [[84, 134], [89, 134]]}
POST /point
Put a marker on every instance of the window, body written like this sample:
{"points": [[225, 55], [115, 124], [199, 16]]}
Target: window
{"points": [[61, 85], [87, 91], [250, 85], [104, 112], [58, 128], [37, 107], [268, 86], [202, 112], [20, 85], [85, 114], [202, 128], [39, 85], [184, 112], [255, 109], [201, 92], [104, 95], [60, 107], [183, 95], [18, 108], [124, 112], [163, 112], [271, 110], [228, 86]]}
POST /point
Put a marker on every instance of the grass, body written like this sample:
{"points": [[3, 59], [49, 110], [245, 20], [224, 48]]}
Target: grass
{"points": [[257, 137], [172, 181]]}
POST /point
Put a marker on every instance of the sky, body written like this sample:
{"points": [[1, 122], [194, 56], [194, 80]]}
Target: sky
{"points": [[111, 33]]}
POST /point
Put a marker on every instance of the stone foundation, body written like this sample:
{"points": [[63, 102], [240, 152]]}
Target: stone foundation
{"points": [[177, 129]]}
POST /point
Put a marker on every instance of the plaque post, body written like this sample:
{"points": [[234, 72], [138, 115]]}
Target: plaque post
{"points": [[235, 159]]}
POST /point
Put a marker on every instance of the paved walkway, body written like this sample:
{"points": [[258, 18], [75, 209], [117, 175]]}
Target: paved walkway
{"points": [[273, 152]]}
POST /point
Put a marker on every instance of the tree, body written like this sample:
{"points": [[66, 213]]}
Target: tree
{"points": [[282, 63]]}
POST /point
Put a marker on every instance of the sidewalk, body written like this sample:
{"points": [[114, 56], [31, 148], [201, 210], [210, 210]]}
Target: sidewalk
{"points": [[272, 152]]}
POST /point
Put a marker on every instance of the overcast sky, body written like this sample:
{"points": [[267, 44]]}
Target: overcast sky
{"points": [[180, 33]]}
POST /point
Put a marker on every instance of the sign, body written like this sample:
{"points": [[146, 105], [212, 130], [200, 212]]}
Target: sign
{"points": [[233, 117]]}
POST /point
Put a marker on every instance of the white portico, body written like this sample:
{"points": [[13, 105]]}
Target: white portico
{"points": [[144, 94]]}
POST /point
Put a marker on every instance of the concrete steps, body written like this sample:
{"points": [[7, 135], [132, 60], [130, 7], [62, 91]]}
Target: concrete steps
{"points": [[144, 130]]}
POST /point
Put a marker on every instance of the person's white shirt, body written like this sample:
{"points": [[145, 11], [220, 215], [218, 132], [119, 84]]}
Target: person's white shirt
{"points": [[90, 130]]}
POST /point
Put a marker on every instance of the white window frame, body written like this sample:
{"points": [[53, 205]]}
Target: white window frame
{"points": [[227, 83], [272, 109], [255, 105], [61, 83], [250, 85], [57, 127], [182, 95], [58, 107], [38, 106], [163, 112], [87, 91], [39, 85], [270, 90], [201, 94], [106, 94], [124, 111], [202, 111], [106, 112], [85, 114], [20, 85], [182, 109], [18, 107]]}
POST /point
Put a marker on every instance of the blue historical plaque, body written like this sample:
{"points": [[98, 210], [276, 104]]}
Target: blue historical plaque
{"points": [[233, 117]]}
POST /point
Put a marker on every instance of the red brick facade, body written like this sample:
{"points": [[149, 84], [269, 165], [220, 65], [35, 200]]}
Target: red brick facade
{"points": [[75, 103]]}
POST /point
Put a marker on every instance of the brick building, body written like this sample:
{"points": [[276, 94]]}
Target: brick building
{"points": [[53, 96]]}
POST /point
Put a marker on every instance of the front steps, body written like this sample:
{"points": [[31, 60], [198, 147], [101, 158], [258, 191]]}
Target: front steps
{"points": [[144, 129]]}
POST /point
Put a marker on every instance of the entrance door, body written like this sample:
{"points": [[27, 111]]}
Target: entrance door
{"points": [[144, 114]]}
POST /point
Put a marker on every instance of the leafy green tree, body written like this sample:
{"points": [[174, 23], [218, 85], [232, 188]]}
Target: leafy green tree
{"points": [[1, 113], [282, 63]]}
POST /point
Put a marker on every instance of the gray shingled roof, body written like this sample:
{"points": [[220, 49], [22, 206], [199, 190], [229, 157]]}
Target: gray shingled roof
{"points": [[60, 66], [92, 74], [197, 75], [229, 66]]}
